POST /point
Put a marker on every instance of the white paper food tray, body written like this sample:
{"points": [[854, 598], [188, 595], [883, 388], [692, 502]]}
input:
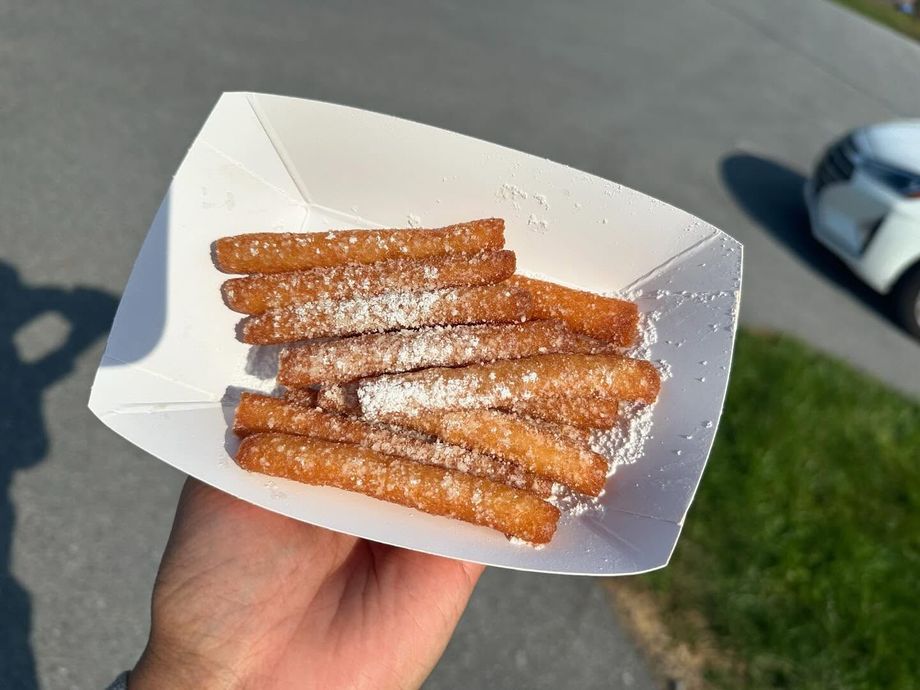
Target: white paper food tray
{"points": [[269, 163]]}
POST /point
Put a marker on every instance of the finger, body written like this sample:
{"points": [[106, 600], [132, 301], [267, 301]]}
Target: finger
{"points": [[422, 574], [212, 525]]}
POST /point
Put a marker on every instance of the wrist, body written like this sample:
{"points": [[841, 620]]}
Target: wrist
{"points": [[165, 667]]}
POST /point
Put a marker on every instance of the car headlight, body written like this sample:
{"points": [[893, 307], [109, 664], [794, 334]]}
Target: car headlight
{"points": [[901, 181]]}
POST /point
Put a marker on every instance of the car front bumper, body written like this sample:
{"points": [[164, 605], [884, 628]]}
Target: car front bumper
{"points": [[874, 231]]}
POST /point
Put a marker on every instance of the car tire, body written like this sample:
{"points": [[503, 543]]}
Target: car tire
{"points": [[906, 296]]}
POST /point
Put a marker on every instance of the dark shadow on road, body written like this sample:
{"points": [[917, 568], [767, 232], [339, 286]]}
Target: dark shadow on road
{"points": [[88, 313], [771, 194]]}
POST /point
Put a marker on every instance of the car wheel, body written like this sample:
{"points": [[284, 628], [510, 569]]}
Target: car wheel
{"points": [[907, 301]]}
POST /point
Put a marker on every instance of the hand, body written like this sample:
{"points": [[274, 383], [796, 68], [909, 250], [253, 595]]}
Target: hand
{"points": [[246, 598]]}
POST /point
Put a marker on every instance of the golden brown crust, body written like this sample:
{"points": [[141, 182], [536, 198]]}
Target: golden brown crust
{"points": [[341, 398], [606, 318], [346, 359], [496, 383], [578, 437], [266, 252], [255, 294], [582, 412], [376, 314], [262, 413], [538, 449], [307, 397], [434, 490]]}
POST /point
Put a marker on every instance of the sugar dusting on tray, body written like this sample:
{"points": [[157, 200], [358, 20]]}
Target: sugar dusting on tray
{"points": [[624, 444], [573, 505]]}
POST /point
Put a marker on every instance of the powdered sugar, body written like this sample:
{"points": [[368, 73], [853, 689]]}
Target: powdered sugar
{"points": [[541, 199], [511, 192], [256, 293], [540, 225], [474, 386], [573, 505], [436, 346], [388, 396], [624, 444], [328, 317]]}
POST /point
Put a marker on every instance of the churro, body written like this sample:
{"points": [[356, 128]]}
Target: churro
{"points": [[267, 252], [305, 397], [342, 398], [255, 294], [606, 318], [567, 432], [346, 359], [328, 318], [262, 413], [434, 490], [582, 412], [497, 383], [532, 446]]}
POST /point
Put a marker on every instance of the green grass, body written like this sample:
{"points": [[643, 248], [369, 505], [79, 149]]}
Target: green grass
{"points": [[802, 549], [884, 13]]}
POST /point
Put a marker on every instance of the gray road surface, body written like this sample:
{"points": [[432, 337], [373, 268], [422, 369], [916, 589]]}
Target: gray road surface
{"points": [[716, 106]]}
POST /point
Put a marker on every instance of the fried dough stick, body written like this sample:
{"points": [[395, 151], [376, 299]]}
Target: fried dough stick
{"points": [[606, 318], [257, 293], [584, 413], [497, 383], [342, 398], [267, 252], [307, 397], [530, 445], [572, 434], [580, 412], [347, 359], [433, 490], [262, 413], [327, 318]]}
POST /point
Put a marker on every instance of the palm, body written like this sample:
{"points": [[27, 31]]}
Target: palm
{"points": [[271, 602]]}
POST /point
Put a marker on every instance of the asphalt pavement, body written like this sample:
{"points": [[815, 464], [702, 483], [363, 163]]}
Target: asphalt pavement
{"points": [[717, 106]]}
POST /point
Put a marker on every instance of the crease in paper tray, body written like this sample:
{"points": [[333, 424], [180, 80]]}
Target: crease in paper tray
{"points": [[281, 164]]}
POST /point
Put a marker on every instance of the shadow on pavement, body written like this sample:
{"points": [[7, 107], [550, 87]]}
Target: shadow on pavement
{"points": [[88, 314], [771, 194]]}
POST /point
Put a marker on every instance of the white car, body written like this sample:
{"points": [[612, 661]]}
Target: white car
{"points": [[864, 205]]}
